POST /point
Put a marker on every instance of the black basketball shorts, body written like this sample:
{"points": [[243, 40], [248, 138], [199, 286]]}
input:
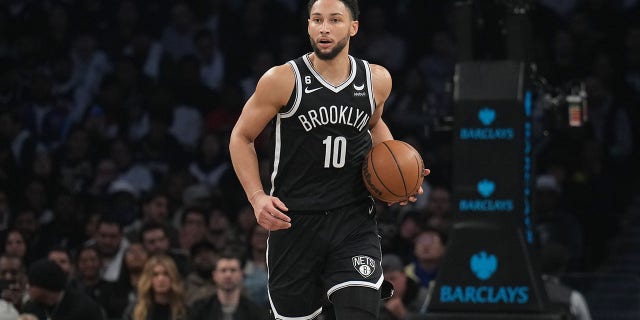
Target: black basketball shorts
{"points": [[322, 252]]}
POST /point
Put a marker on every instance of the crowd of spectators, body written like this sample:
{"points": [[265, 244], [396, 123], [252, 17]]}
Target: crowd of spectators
{"points": [[115, 115]]}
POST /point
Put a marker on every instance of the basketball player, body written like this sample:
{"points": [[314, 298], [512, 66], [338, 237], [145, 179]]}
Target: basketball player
{"points": [[327, 105]]}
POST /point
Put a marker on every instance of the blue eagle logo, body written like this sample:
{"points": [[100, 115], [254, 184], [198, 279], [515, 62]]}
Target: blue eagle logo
{"points": [[487, 115], [483, 265], [486, 187]]}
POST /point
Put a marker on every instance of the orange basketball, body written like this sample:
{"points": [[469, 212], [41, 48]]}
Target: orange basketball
{"points": [[393, 171]]}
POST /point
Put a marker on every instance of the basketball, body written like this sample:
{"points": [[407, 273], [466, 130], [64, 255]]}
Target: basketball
{"points": [[393, 171]]}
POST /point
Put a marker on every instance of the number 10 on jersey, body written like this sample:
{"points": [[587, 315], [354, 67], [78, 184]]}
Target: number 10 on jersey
{"points": [[335, 151]]}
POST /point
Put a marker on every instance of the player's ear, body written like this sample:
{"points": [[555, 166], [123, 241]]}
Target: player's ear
{"points": [[354, 28]]}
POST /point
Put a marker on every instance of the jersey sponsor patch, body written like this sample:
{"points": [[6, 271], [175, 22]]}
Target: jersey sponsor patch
{"points": [[364, 265]]}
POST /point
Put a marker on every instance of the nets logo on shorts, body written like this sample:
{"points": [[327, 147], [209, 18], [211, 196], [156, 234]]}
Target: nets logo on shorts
{"points": [[364, 265]]}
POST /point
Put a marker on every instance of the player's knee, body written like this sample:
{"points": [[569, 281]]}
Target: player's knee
{"points": [[356, 303]]}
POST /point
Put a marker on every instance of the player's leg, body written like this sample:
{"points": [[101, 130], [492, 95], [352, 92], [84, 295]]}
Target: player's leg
{"points": [[356, 303], [353, 275], [294, 261]]}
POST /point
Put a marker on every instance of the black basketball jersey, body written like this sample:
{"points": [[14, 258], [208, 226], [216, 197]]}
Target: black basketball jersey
{"points": [[321, 138]]}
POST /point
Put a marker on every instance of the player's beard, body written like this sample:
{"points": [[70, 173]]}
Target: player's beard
{"points": [[340, 45]]}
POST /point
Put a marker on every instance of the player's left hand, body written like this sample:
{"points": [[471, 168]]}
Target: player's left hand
{"points": [[414, 197]]}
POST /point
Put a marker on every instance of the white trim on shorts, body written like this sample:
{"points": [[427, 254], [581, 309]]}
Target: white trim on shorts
{"points": [[355, 284], [281, 317]]}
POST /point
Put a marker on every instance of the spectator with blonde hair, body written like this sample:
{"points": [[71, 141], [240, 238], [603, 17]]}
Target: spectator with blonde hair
{"points": [[160, 291]]}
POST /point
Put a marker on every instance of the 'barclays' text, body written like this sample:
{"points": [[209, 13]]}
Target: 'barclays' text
{"points": [[487, 134], [484, 294], [485, 205]]}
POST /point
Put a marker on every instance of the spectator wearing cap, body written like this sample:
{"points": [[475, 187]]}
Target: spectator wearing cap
{"points": [[555, 224], [198, 284], [49, 299], [409, 298]]}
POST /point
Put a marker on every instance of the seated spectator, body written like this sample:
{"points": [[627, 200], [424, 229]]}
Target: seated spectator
{"points": [[155, 208], [553, 262], [193, 227], [429, 249], [62, 257], [111, 245], [554, 224], [50, 299], [135, 257], [88, 280], [408, 298], [160, 292], [199, 283], [228, 302], [15, 244], [256, 275], [156, 242], [12, 272]]}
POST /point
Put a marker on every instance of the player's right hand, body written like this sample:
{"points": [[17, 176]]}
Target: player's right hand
{"points": [[269, 212]]}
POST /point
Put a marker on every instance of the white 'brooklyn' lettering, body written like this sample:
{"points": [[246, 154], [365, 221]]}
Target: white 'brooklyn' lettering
{"points": [[334, 115]]}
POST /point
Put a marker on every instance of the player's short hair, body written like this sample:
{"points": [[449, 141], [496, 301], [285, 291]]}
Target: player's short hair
{"points": [[351, 4]]}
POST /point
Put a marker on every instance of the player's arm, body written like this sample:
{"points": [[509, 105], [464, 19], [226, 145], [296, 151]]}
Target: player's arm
{"points": [[381, 83], [272, 92]]}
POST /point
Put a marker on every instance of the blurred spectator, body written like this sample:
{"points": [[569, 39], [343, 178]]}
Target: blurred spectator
{"points": [[126, 287], [246, 222], [429, 249], [437, 68], [160, 292], [409, 106], [131, 171], [123, 202], [260, 63], [222, 233], [26, 221], [408, 296], [177, 37], [21, 141], [62, 257], [256, 275], [193, 227], [555, 225], [13, 278], [88, 281], [378, 37], [111, 245], [49, 298], [212, 59], [155, 208], [15, 244], [228, 302], [199, 283], [159, 150], [409, 226], [210, 162], [156, 242], [105, 173], [553, 263], [438, 210]]}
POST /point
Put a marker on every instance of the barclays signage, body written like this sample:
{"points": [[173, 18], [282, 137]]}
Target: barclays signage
{"points": [[484, 265], [485, 188], [487, 116]]}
